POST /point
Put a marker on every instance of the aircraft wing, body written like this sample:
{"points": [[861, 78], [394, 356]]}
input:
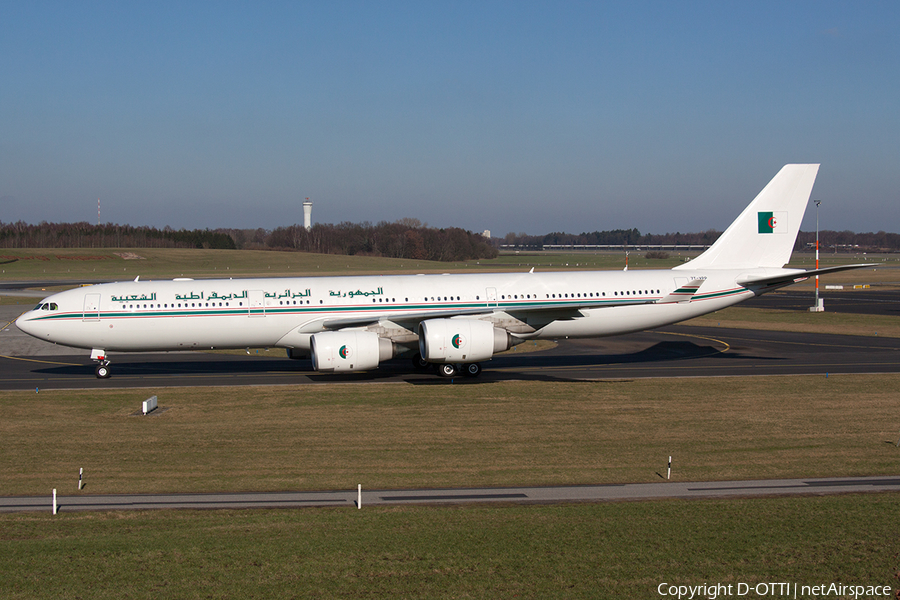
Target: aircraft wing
{"points": [[412, 319], [789, 276]]}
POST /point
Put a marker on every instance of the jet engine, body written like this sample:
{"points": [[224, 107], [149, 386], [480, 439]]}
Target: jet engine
{"points": [[338, 351], [460, 340]]}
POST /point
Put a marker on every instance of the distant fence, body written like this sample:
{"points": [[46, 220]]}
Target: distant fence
{"points": [[623, 247]]}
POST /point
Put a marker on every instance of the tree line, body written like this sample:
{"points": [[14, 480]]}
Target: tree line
{"points": [[613, 237], [85, 235], [407, 238], [833, 241]]}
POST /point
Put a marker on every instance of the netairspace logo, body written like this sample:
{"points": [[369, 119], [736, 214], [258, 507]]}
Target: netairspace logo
{"points": [[711, 591]]}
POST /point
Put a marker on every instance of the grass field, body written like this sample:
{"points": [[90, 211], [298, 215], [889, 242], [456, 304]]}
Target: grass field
{"points": [[168, 263], [392, 435], [121, 264], [565, 551], [397, 435]]}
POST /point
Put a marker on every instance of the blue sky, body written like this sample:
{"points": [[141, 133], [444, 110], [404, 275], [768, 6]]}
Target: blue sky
{"points": [[510, 116]]}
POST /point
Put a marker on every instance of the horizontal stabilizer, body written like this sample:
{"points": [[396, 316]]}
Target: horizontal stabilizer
{"points": [[789, 276]]}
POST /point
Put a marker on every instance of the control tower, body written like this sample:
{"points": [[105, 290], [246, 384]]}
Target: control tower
{"points": [[307, 214]]}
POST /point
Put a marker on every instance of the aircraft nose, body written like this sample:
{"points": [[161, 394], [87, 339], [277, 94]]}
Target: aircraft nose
{"points": [[26, 323]]}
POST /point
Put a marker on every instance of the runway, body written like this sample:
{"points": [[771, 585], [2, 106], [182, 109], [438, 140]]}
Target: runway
{"points": [[519, 495], [675, 351]]}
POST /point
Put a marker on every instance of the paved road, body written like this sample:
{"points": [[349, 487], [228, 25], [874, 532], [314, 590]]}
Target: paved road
{"points": [[536, 495], [885, 302]]}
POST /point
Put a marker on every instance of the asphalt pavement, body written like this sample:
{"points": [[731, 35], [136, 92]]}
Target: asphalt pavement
{"points": [[361, 498]]}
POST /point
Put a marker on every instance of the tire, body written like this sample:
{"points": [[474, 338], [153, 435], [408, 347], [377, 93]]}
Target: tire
{"points": [[472, 369], [102, 372], [446, 370]]}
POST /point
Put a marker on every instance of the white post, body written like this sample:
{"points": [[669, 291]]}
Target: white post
{"points": [[80, 473], [54, 501], [669, 471], [359, 495]]}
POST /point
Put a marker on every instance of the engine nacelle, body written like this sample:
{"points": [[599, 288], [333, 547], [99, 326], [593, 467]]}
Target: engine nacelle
{"points": [[339, 351], [460, 340]]}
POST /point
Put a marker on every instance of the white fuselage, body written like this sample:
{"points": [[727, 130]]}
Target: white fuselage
{"points": [[285, 312]]}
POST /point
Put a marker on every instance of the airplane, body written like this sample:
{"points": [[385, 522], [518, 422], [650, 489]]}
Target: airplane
{"points": [[450, 322]]}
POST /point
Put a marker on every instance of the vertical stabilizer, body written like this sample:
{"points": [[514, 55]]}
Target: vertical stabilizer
{"points": [[764, 234]]}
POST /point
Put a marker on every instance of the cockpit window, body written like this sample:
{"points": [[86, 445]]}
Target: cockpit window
{"points": [[38, 307], [47, 306]]}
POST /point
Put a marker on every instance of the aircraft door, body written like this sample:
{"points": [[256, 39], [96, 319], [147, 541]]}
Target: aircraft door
{"points": [[491, 294], [256, 303], [91, 307]]}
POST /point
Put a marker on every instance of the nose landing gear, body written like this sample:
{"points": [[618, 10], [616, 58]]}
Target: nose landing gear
{"points": [[102, 371]]}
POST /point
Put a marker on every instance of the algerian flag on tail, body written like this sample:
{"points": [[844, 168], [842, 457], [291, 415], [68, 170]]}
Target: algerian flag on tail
{"points": [[772, 222], [778, 208]]}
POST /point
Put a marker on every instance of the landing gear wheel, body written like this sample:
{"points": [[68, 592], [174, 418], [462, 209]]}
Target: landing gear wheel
{"points": [[472, 369], [102, 372], [446, 370], [420, 363]]}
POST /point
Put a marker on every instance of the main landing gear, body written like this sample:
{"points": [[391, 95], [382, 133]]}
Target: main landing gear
{"points": [[447, 369], [452, 369]]}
